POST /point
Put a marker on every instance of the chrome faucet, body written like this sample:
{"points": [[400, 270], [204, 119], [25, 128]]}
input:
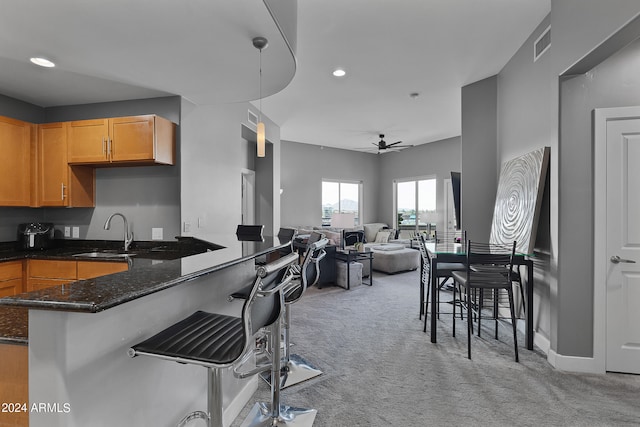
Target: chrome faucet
{"points": [[128, 237]]}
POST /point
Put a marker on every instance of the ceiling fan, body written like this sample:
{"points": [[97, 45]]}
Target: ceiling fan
{"points": [[383, 147]]}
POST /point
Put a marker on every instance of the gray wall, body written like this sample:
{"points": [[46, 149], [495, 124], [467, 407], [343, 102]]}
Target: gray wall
{"points": [[524, 92], [532, 90], [479, 159], [304, 167], [438, 159], [613, 83], [148, 196], [214, 153]]}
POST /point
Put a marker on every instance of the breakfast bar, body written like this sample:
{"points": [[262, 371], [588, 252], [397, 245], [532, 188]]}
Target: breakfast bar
{"points": [[79, 334]]}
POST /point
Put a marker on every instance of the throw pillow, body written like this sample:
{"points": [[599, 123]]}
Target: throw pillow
{"points": [[382, 237]]}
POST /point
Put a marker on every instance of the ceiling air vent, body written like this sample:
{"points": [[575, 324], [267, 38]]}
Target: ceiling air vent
{"points": [[252, 118], [542, 44]]}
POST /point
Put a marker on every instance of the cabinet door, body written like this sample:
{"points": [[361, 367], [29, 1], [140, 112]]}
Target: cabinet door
{"points": [[88, 141], [14, 371], [37, 283], [47, 273], [15, 162], [50, 269], [91, 269], [10, 278], [132, 139], [10, 287], [53, 182]]}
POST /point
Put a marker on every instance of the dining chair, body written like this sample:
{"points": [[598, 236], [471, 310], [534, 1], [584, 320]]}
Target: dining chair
{"points": [[444, 272], [488, 267]]}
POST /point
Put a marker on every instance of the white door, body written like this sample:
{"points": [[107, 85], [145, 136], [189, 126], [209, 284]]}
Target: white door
{"points": [[623, 244], [248, 197]]}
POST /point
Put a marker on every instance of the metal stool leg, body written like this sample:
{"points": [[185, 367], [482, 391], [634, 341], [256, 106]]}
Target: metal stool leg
{"points": [[295, 369], [276, 414]]}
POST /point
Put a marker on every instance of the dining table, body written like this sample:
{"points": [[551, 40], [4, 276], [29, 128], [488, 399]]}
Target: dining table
{"points": [[448, 252]]}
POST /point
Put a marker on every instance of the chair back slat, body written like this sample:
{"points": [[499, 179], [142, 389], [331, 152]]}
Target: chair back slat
{"points": [[489, 253]]}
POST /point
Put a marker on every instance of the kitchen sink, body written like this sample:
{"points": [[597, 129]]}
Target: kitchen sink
{"points": [[105, 254]]}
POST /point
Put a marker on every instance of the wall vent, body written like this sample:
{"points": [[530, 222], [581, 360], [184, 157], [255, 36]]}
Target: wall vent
{"points": [[252, 118], [542, 44]]}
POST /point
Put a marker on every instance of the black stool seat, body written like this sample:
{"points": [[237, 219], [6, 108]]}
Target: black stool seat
{"points": [[209, 338]]}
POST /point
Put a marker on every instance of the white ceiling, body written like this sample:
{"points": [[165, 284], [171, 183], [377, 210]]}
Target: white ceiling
{"points": [[201, 49]]}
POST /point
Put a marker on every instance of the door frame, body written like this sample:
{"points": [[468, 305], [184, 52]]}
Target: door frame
{"points": [[247, 204], [600, 260]]}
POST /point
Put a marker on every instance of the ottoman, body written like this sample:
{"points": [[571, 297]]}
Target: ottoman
{"points": [[393, 258], [355, 274]]}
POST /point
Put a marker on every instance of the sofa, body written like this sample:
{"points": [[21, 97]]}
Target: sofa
{"points": [[391, 255]]}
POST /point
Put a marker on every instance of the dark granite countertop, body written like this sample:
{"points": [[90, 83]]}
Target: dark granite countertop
{"points": [[14, 325], [154, 266]]}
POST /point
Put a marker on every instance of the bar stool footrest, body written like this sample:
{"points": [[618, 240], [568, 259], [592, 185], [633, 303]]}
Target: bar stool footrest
{"points": [[260, 415], [298, 370]]}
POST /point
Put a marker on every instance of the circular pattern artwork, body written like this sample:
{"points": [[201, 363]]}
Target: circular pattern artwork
{"points": [[518, 200]]}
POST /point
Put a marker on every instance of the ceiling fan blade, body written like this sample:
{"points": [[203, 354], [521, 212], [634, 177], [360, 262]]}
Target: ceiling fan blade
{"points": [[394, 143]]}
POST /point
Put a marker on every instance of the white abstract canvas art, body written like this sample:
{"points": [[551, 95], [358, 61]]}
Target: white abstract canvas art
{"points": [[518, 200]]}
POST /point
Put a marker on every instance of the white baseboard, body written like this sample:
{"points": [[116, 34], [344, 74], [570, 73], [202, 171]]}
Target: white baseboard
{"points": [[231, 412], [574, 363], [542, 342]]}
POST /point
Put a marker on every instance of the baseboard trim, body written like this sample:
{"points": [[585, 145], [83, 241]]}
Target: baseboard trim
{"points": [[238, 403], [542, 342], [574, 363]]}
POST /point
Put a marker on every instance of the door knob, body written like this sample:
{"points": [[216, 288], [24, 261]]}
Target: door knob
{"points": [[616, 260]]}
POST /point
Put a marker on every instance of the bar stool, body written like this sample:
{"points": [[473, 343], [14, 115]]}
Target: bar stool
{"points": [[217, 341], [295, 368]]}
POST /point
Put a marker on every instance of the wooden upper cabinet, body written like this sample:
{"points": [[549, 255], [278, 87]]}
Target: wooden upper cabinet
{"points": [[53, 174], [88, 140], [136, 140], [58, 183], [17, 154]]}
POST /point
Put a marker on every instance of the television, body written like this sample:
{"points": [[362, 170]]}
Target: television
{"points": [[455, 186]]}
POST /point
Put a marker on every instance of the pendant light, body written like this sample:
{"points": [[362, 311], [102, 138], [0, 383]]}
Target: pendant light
{"points": [[260, 43]]}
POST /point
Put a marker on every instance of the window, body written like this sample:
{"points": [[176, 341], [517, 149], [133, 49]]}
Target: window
{"points": [[415, 205], [341, 197]]}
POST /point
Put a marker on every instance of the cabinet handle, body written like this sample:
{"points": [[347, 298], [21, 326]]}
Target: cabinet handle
{"points": [[109, 148], [103, 147], [62, 187]]}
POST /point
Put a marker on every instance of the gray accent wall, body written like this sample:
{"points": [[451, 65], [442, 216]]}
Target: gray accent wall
{"points": [[479, 181], [304, 167], [524, 91], [214, 154], [435, 159], [528, 117], [613, 83]]}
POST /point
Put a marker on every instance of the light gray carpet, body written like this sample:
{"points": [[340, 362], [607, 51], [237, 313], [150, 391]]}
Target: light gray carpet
{"points": [[380, 369]]}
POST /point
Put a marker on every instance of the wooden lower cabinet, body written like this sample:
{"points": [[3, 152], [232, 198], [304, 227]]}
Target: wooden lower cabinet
{"points": [[14, 365], [43, 274], [11, 278], [46, 273], [91, 269], [14, 385]]}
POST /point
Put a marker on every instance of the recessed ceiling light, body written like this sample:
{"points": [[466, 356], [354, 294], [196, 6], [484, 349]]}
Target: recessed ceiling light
{"points": [[43, 62], [339, 72]]}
